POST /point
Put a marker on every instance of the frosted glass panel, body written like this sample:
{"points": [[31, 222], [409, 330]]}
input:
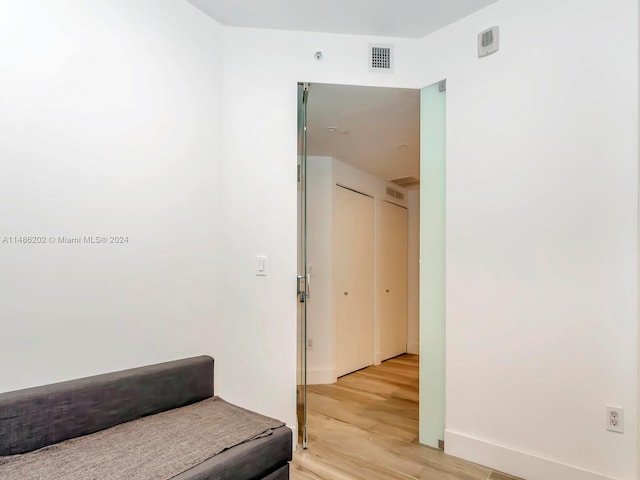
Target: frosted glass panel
{"points": [[432, 264]]}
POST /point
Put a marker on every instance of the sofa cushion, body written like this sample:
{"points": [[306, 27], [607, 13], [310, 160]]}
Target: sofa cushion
{"points": [[160, 446], [249, 461], [40, 416]]}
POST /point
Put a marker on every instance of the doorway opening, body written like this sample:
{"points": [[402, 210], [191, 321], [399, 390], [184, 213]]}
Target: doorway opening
{"points": [[359, 194]]}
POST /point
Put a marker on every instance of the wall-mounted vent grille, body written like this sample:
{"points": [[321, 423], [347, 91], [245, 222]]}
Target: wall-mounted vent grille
{"points": [[486, 38], [395, 194], [406, 181], [488, 41], [381, 58]]}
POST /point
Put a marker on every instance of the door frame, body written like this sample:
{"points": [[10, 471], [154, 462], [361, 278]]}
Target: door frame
{"points": [[437, 417]]}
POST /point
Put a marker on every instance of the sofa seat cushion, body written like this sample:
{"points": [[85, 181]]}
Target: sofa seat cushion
{"points": [[159, 446], [249, 461]]}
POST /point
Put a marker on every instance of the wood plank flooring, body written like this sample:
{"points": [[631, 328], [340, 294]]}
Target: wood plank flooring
{"points": [[365, 427]]}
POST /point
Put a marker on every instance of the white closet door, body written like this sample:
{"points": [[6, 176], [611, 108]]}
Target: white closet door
{"points": [[354, 224], [392, 279]]}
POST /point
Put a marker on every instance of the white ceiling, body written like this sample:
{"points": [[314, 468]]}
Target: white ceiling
{"points": [[395, 18], [378, 121]]}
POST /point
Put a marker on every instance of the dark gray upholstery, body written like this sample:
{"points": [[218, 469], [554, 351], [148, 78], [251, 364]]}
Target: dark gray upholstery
{"points": [[36, 417], [248, 461], [40, 416], [281, 474]]}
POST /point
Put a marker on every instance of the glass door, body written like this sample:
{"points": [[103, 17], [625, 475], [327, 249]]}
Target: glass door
{"points": [[433, 100], [303, 276]]}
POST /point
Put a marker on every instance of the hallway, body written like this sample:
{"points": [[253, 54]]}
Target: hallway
{"points": [[365, 427]]}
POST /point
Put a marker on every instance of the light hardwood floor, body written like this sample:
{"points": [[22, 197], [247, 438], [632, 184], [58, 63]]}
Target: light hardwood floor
{"points": [[365, 427]]}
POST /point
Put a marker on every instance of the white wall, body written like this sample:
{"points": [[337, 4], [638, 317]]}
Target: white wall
{"points": [[110, 126], [542, 169], [413, 270], [112, 122]]}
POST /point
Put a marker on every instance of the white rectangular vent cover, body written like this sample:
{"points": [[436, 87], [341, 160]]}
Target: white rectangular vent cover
{"points": [[380, 58], [488, 41]]}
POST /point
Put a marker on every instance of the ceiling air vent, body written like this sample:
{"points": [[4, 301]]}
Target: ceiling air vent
{"points": [[381, 58], [406, 181], [395, 194]]}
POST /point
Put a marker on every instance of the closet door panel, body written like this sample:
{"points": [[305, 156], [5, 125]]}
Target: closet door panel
{"points": [[353, 279], [392, 279]]}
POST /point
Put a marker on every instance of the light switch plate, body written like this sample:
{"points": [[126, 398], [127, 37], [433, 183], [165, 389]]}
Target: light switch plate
{"points": [[261, 265]]}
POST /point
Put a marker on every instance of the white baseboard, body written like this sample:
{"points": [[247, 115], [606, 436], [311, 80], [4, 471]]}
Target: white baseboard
{"points": [[513, 462], [321, 376], [413, 347]]}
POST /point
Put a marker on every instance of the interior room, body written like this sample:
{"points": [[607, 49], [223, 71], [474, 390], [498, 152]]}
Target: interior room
{"points": [[167, 127]]}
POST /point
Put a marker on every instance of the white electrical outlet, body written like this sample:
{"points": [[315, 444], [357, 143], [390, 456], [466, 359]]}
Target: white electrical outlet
{"points": [[615, 419], [309, 343]]}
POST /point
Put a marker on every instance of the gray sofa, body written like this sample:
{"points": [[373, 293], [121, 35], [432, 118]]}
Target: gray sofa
{"points": [[156, 422]]}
